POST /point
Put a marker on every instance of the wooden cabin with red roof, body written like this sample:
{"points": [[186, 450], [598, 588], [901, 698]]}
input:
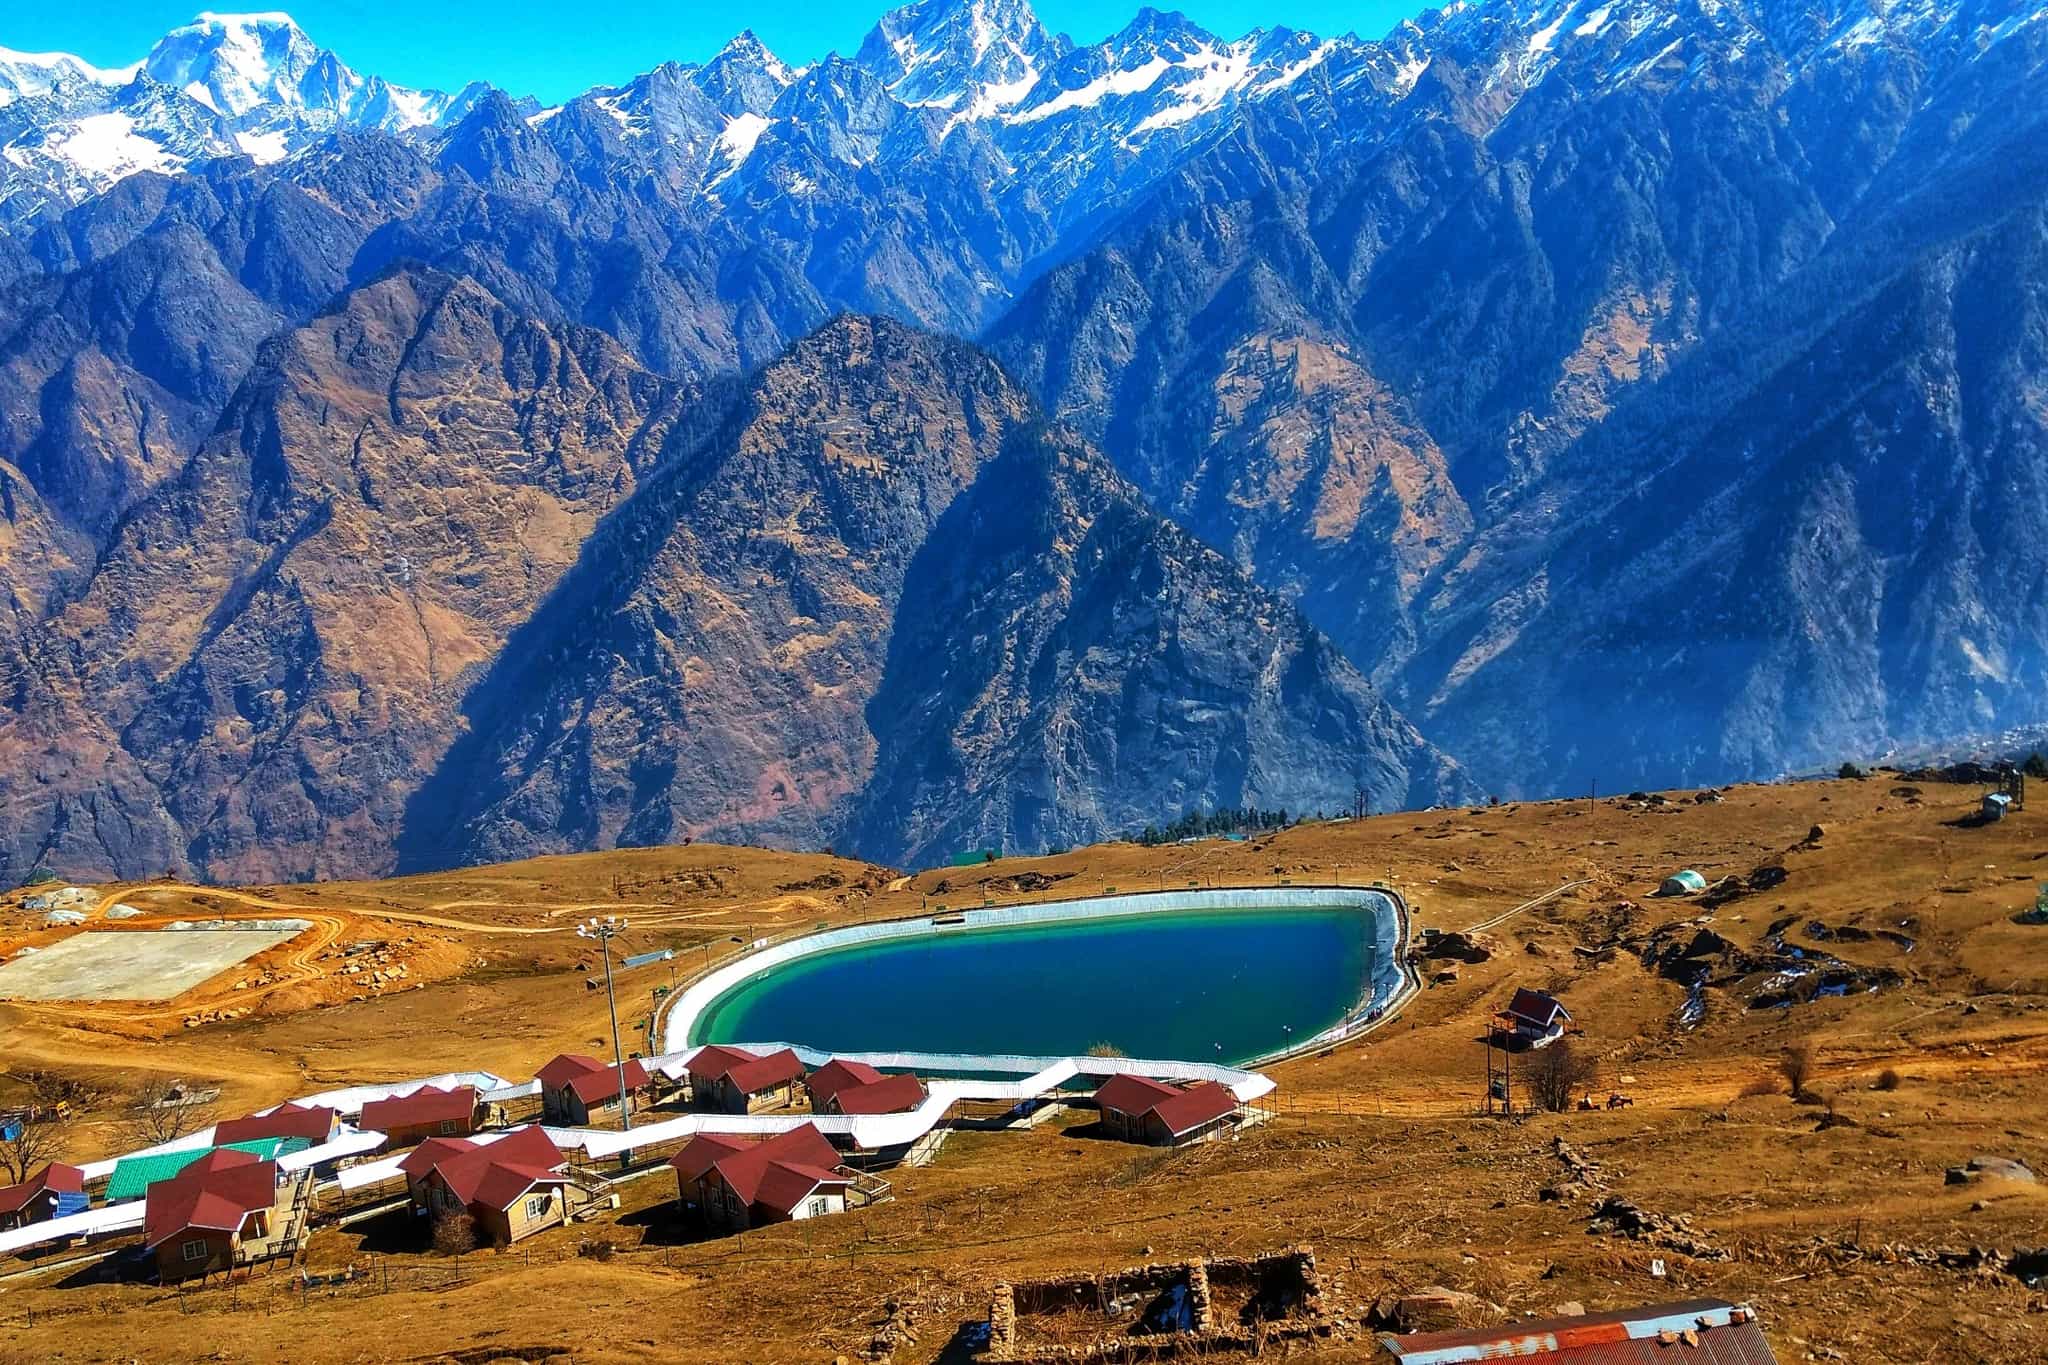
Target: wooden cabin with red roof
{"points": [[1532, 1019], [55, 1188], [897, 1094], [415, 1164], [426, 1112], [835, 1076], [513, 1187], [734, 1183], [205, 1217], [736, 1081], [1138, 1109], [316, 1124], [844, 1087], [574, 1088]]}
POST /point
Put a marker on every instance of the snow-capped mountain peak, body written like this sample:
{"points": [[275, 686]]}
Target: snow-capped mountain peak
{"points": [[745, 77], [972, 57], [237, 63]]}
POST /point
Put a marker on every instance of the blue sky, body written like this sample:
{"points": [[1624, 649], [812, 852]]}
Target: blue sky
{"points": [[555, 50]]}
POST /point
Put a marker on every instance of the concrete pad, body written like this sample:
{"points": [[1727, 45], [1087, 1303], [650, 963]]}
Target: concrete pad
{"points": [[147, 964]]}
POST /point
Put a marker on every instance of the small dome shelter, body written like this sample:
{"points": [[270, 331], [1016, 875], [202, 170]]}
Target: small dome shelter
{"points": [[1683, 883]]}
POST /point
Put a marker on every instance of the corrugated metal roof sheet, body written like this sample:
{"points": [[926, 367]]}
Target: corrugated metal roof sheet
{"points": [[1694, 1332], [133, 1175]]}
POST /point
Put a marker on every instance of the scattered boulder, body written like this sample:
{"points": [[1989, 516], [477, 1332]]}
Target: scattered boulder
{"points": [[1461, 947], [1707, 943], [1993, 1168], [1618, 1217]]}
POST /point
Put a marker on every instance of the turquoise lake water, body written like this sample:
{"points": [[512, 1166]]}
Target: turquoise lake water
{"points": [[1205, 985]]}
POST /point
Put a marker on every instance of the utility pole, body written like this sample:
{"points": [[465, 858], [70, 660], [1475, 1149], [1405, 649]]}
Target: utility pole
{"points": [[602, 930]]}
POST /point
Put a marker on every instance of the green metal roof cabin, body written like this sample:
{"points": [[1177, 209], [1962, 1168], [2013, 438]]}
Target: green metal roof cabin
{"points": [[133, 1175]]}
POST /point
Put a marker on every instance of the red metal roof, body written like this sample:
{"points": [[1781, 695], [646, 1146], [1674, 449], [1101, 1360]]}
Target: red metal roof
{"points": [[561, 1069], [1182, 1111], [575, 1071], [748, 1073], [714, 1060], [216, 1193], [315, 1125], [595, 1087], [837, 1075], [1693, 1332], [498, 1173], [423, 1106], [886, 1095], [1536, 1007], [1134, 1095], [55, 1178], [432, 1152], [705, 1151], [1203, 1102], [778, 1173]]}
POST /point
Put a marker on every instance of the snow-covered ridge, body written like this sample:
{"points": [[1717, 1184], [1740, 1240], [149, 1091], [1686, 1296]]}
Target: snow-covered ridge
{"points": [[1073, 125]]}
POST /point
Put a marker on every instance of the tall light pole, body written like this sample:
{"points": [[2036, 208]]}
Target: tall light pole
{"points": [[602, 930]]}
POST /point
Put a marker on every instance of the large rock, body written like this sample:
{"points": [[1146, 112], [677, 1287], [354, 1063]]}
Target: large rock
{"points": [[1991, 1168]]}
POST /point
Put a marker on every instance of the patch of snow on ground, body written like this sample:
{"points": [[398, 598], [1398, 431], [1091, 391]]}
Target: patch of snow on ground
{"points": [[1132, 82], [995, 97], [1294, 72], [108, 145], [410, 107], [1595, 21], [264, 147], [630, 124], [1217, 74], [736, 143], [1541, 40]]}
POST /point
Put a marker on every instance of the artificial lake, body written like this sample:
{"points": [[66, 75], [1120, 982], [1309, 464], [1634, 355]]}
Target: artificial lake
{"points": [[1213, 985]]}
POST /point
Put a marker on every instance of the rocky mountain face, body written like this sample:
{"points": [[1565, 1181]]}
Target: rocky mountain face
{"points": [[879, 605], [270, 653], [1546, 311], [1641, 391], [447, 583]]}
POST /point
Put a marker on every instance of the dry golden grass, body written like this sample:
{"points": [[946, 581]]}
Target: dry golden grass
{"points": [[1377, 1160]]}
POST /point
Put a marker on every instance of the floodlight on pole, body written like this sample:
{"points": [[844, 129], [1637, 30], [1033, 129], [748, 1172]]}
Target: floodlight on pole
{"points": [[601, 930]]}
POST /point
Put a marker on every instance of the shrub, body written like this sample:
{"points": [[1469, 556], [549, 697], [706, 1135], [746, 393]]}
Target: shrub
{"points": [[596, 1248], [1888, 1079], [1557, 1073], [1851, 771], [1796, 1066], [1104, 1050], [454, 1234]]}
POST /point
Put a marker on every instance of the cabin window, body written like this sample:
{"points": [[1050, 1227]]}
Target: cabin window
{"points": [[819, 1207], [536, 1205], [447, 1126], [196, 1249]]}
